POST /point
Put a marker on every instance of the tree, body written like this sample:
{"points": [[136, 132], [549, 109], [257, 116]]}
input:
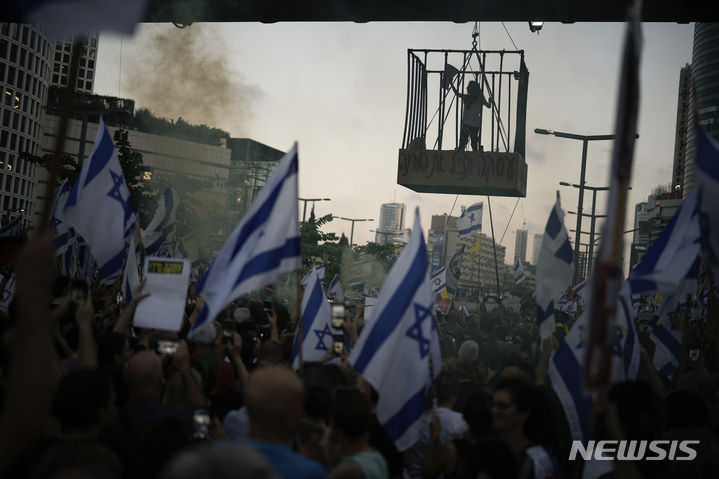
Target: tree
{"points": [[133, 168], [319, 247]]}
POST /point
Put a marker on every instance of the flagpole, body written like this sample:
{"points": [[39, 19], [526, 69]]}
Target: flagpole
{"points": [[608, 274], [67, 100], [494, 245], [298, 316]]}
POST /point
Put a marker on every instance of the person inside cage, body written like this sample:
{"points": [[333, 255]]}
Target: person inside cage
{"points": [[471, 116]]}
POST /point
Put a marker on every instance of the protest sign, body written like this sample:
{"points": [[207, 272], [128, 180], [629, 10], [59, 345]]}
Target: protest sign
{"points": [[167, 282]]}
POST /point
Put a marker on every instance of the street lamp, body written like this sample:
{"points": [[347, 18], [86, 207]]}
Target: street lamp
{"points": [[593, 215], [353, 220], [585, 139], [310, 200]]}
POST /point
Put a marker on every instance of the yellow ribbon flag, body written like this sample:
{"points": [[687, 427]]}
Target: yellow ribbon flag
{"points": [[476, 247], [444, 294]]}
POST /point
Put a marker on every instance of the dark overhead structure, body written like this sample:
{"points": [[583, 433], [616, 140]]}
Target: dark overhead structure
{"points": [[188, 11]]}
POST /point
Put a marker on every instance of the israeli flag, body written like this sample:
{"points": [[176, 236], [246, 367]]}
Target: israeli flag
{"points": [[464, 311], [566, 366], [264, 245], [133, 267], [320, 270], [454, 270], [667, 336], [316, 323], [159, 236], [471, 220], [666, 333], [518, 270], [64, 233], [12, 228], [669, 259], [335, 291], [439, 281], [99, 206], [399, 343], [555, 267], [369, 292], [707, 167]]}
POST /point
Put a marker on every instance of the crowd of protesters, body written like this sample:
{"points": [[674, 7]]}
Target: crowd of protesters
{"points": [[85, 394]]}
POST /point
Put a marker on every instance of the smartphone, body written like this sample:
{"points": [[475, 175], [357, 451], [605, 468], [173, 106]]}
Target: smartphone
{"points": [[167, 347], [118, 298], [226, 336], [78, 290], [267, 305], [338, 316], [693, 354], [338, 344], [201, 420]]}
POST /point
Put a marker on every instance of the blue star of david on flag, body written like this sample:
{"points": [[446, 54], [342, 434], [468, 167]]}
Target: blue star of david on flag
{"points": [[117, 183], [321, 333], [415, 332]]}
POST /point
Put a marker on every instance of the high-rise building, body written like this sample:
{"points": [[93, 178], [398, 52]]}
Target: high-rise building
{"points": [[86, 69], [520, 245], [25, 59], [391, 223], [650, 219], [537, 247], [680, 138], [705, 78], [478, 273]]}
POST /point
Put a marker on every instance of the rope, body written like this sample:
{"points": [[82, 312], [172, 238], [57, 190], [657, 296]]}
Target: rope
{"points": [[510, 36], [510, 220]]}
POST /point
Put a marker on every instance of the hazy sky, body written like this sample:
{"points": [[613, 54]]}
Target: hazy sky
{"points": [[339, 90]]}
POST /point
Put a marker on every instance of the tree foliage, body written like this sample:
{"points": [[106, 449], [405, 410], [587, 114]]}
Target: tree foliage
{"points": [[144, 120], [320, 248]]}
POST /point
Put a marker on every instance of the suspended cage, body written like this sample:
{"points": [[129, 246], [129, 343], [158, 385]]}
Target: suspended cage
{"points": [[474, 142]]}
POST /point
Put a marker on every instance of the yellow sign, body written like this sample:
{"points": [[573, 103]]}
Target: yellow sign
{"points": [[165, 267], [476, 247]]}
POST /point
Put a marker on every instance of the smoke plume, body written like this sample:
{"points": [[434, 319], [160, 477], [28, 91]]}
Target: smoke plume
{"points": [[186, 73]]}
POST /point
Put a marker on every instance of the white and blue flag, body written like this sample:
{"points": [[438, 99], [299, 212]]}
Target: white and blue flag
{"points": [[13, 228], [64, 233], [454, 270], [555, 267], [670, 257], [99, 207], [264, 245], [566, 366], [159, 236], [319, 270], [666, 333], [399, 343], [317, 335], [133, 267], [707, 169], [335, 290], [470, 221], [439, 281], [518, 270]]}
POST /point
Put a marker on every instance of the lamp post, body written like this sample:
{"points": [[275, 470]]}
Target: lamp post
{"points": [[310, 200], [353, 220], [593, 215], [585, 139]]}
